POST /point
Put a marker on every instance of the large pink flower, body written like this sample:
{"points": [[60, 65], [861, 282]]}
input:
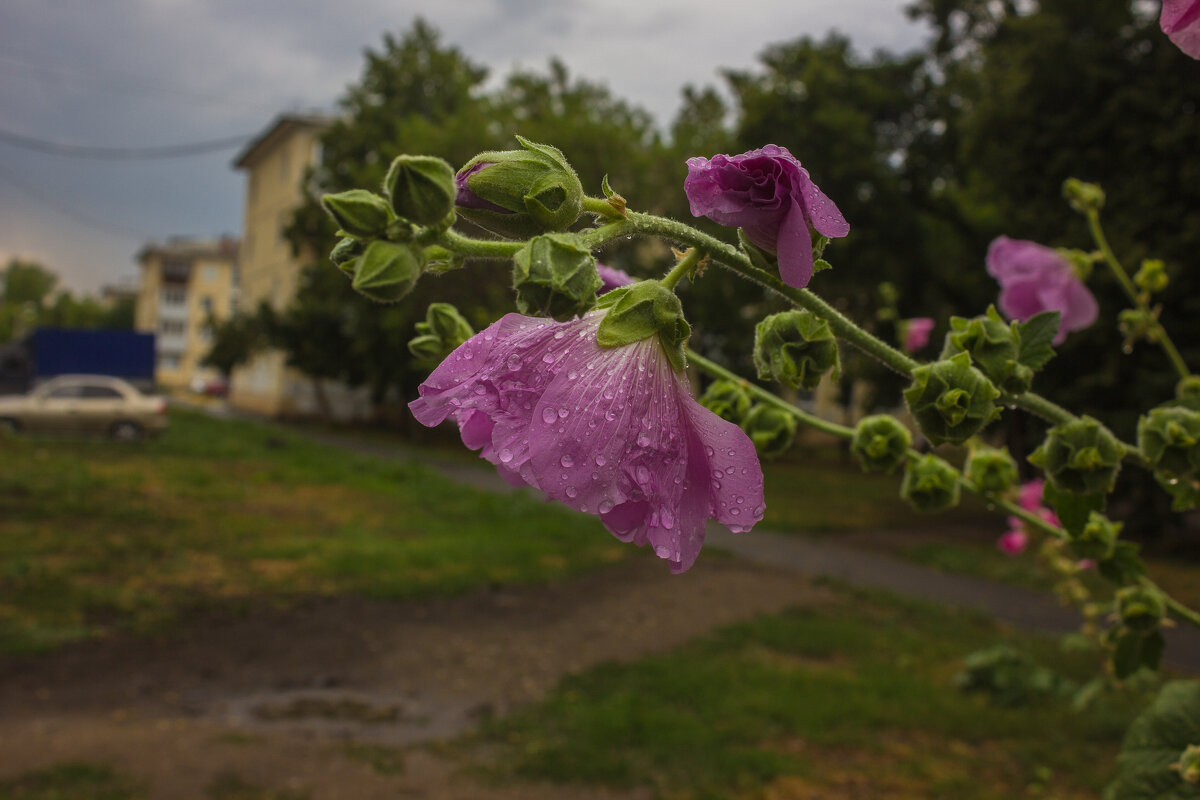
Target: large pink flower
{"points": [[1034, 278], [770, 196], [610, 431], [1180, 20]]}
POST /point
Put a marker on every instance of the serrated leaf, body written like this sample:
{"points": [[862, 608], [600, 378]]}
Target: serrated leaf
{"points": [[1037, 335], [1072, 509], [604, 187], [1154, 742], [820, 265]]}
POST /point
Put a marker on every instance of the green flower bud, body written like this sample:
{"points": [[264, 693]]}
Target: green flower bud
{"points": [[930, 484], [438, 259], [1097, 539], [1139, 608], [729, 400], [1188, 388], [951, 400], [387, 271], [991, 471], [344, 253], [795, 348], [1188, 765], [880, 443], [1152, 277], [421, 189], [556, 277], [1169, 437], [443, 330], [642, 310], [520, 193], [1080, 456], [771, 429], [994, 346], [358, 212], [1083, 197]]}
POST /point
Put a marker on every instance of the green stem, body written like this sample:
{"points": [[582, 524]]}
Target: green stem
{"points": [[845, 432], [1110, 258], [479, 248], [601, 206], [686, 264]]}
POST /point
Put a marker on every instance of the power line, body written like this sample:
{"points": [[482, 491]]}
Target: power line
{"points": [[121, 153], [79, 216]]}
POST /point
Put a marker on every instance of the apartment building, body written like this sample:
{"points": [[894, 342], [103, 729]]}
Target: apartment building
{"points": [[275, 165], [186, 284]]}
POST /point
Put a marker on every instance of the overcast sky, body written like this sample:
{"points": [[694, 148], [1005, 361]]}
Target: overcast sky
{"points": [[144, 73]]}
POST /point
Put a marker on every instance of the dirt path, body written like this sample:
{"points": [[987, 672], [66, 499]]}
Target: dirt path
{"points": [[279, 697]]}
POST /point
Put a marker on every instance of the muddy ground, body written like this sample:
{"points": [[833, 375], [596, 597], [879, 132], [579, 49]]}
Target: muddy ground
{"points": [[291, 700]]}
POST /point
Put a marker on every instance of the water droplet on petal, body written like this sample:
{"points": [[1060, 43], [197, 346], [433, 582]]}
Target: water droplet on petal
{"points": [[739, 499], [601, 460], [506, 455], [549, 415], [605, 506], [710, 451], [668, 519], [662, 551], [735, 511], [514, 362], [567, 461], [643, 440], [572, 491], [563, 413], [729, 470]]}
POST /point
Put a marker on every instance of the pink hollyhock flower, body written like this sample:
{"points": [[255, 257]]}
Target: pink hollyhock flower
{"points": [[1014, 542], [1034, 279], [916, 333], [1030, 496], [770, 196], [613, 278], [1084, 564], [610, 431], [1180, 20]]}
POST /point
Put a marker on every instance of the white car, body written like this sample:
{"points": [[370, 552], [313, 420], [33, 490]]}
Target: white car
{"points": [[85, 404]]}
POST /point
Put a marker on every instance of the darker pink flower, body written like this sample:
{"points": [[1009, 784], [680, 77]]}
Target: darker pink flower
{"points": [[609, 431], [1180, 20], [1015, 541], [1030, 496], [613, 278], [770, 196], [1034, 279], [916, 333]]}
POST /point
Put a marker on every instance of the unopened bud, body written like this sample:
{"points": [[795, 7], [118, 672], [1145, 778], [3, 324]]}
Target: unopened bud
{"points": [[1188, 765], [795, 348], [991, 471], [421, 189], [642, 310], [443, 330], [555, 276], [771, 429], [1140, 608], [1169, 437], [1097, 539], [1152, 277], [520, 193], [880, 443], [951, 400], [930, 484], [358, 212], [1083, 197], [994, 346], [1080, 456], [344, 253], [728, 400], [386, 272]]}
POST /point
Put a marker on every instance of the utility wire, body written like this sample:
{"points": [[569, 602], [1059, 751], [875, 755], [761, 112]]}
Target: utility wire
{"points": [[81, 217], [121, 153]]}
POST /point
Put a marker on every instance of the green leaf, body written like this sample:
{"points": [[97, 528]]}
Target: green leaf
{"points": [[604, 187], [1072, 509], [1127, 657], [1037, 334], [1155, 741], [1123, 566]]}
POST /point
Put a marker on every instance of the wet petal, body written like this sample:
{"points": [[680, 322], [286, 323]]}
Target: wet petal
{"points": [[794, 247]]}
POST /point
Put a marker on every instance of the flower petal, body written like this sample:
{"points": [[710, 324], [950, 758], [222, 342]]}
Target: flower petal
{"points": [[734, 476], [825, 216], [794, 248]]}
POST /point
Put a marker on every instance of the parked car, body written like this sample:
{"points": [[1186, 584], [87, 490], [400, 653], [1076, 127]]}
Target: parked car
{"points": [[85, 404]]}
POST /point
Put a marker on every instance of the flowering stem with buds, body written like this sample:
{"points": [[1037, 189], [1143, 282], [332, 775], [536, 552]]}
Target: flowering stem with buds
{"points": [[845, 432], [1114, 264]]}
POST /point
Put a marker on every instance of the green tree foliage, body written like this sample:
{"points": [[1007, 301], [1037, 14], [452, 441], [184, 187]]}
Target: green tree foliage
{"points": [[29, 300]]}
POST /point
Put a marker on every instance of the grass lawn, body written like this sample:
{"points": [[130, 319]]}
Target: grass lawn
{"points": [[852, 699], [97, 536]]}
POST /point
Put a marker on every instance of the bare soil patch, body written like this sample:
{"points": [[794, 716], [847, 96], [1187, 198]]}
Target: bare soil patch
{"points": [[298, 700]]}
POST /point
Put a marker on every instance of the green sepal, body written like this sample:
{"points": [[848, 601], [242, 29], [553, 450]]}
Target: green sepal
{"points": [[930, 484], [991, 470], [1140, 608], [358, 212], [421, 189], [344, 253], [1080, 456], [1072, 508], [438, 259], [1150, 764], [386, 272], [795, 348], [880, 443], [1152, 276], [995, 347], [771, 429], [1123, 566], [729, 400], [555, 276], [1083, 197], [642, 310], [1036, 336], [1097, 539], [951, 400]]}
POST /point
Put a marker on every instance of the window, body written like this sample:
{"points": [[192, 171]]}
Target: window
{"points": [[210, 273], [206, 306], [169, 361], [174, 295], [171, 327]]}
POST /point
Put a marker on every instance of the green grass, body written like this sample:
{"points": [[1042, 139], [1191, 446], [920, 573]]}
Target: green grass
{"points": [[815, 699], [97, 537], [231, 786], [71, 781]]}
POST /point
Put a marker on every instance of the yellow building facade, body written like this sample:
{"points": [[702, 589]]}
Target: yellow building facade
{"points": [[275, 164], [186, 285]]}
